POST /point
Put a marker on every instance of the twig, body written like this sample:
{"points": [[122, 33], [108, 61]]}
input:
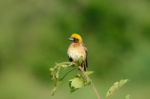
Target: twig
{"points": [[93, 85], [95, 90], [67, 73]]}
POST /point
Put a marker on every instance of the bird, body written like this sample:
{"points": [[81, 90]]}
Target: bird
{"points": [[77, 52]]}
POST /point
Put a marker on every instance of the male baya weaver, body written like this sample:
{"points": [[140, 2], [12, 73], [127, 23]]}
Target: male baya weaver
{"points": [[77, 51]]}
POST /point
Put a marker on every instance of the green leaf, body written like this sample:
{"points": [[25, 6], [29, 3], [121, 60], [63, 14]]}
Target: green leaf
{"points": [[116, 86], [76, 83], [88, 73], [51, 69]]}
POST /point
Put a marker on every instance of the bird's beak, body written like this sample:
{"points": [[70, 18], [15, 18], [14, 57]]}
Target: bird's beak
{"points": [[71, 39]]}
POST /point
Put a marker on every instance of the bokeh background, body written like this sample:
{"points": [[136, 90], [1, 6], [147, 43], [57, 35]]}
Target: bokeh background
{"points": [[33, 37]]}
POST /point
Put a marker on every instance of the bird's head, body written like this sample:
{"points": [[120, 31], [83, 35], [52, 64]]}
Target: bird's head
{"points": [[76, 38]]}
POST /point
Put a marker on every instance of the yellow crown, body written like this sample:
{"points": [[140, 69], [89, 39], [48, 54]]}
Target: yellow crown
{"points": [[76, 36]]}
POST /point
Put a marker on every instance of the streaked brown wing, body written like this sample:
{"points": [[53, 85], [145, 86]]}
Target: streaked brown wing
{"points": [[86, 61]]}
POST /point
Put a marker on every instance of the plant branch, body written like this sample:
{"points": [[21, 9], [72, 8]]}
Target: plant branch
{"points": [[68, 73], [93, 85], [95, 90]]}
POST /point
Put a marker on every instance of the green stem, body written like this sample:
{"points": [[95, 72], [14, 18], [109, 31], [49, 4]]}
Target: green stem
{"points": [[93, 85], [95, 90], [67, 73]]}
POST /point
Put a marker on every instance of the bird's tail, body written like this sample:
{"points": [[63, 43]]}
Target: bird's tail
{"points": [[83, 65]]}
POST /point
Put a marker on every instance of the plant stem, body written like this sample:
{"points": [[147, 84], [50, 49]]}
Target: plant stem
{"points": [[93, 85], [95, 90], [67, 73]]}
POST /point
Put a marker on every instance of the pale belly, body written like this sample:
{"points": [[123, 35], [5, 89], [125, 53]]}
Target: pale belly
{"points": [[76, 54]]}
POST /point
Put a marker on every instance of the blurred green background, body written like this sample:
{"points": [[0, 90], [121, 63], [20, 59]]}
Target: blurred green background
{"points": [[34, 36]]}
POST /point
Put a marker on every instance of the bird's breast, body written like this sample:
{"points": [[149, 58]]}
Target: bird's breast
{"points": [[76, 52]]}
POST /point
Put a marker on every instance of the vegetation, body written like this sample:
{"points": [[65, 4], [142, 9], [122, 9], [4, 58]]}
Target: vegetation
{"points": [[34, 33], [81, 79]]}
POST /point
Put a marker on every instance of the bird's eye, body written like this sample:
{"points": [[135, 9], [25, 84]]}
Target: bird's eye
{"points": [[75, 40]]}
